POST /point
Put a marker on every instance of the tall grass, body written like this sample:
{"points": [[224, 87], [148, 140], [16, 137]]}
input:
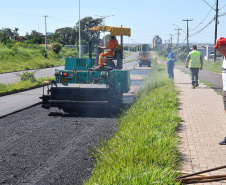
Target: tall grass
{"points": [[18, 58], [144, 149], [207, 65]]}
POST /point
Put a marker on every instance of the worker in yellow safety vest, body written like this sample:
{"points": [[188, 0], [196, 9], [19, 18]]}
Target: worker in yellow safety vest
{"points": [[195, 62]]}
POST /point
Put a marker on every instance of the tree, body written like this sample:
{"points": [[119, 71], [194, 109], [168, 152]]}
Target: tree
{"points": [[182, 56], [86, 34], [35, 37], [15, 32], [56, 47], [65, 36], [8, 32]]}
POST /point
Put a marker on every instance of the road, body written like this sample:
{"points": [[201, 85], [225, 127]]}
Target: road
{"points": [[49, 147], [8, 78]]}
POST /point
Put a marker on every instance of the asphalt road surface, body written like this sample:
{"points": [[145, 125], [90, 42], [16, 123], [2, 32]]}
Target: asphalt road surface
{"points": [[49, 147], [8, 78]]}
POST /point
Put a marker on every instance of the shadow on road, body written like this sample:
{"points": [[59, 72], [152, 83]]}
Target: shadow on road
{"points": [[95, 113]]}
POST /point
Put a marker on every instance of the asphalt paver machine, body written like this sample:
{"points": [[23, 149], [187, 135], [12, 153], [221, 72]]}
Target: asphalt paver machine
{"points": [[80, 87]]}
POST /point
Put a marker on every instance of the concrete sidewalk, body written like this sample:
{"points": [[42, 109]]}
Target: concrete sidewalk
{"points": [[203, 127]]}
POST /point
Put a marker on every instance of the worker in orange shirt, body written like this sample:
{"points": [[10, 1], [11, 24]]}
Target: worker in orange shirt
{"points": [[109, 51]]}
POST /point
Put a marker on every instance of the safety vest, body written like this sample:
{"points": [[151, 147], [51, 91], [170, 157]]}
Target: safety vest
{"points": [[194, 59]]}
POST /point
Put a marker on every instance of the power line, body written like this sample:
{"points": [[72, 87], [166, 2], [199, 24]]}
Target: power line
{"points": [[222, 7], [201, 29], [202, 20]]}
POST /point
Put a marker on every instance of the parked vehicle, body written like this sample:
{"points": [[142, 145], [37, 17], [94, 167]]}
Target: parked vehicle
{"points": [[218, 57]]}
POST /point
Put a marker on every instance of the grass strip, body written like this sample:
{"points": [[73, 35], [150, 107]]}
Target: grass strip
{"points": [[22, 85], [144, 150]]}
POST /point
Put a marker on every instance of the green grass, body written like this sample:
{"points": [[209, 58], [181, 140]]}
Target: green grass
{"points": [[18, 58], [208, 84], [144, 149], [207, 65], [126, 54], [22, 85]]}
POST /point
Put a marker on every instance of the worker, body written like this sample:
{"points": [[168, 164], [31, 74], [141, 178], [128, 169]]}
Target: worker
{"points": [[170, 63], [109, 51], [195, 60], [221, 47]]}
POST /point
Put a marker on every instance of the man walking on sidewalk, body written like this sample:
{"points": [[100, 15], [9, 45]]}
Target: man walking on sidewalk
{"points": [[195, 61], [221, 47]]}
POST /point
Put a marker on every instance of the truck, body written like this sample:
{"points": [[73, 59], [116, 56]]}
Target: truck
{"points": [[144, 58], [79, 87]]}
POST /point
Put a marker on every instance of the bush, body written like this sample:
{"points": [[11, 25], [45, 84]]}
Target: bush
{"points": [[43, 51], [56, 47], [28, 76], [182, 56]]}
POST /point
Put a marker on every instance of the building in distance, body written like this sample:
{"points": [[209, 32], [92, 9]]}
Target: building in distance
{"points": [[157, 41]]}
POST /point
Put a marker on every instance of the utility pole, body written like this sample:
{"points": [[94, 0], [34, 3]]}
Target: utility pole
{"points": [[187, 32], [178, 33], [45, 33], [216, 22], [171, 41]]}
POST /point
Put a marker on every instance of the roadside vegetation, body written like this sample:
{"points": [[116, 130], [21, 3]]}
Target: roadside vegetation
{"points": [[27, 81], [24, 57], [207, 65], [144, 150]]}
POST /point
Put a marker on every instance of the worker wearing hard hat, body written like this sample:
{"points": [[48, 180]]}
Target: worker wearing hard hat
{"points": [[109, 51], [221, 47]]}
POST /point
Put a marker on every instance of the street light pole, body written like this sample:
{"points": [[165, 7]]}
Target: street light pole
{"points": [[103, 17], [79, 33], [45, 32], [178, 33]]}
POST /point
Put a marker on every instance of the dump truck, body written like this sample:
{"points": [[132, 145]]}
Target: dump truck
{"points": [[80, 87], [144, 58]]}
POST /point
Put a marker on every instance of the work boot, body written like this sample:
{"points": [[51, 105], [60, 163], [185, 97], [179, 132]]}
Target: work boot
{"points": [[223, 142], [193, 87], [197, 85]]}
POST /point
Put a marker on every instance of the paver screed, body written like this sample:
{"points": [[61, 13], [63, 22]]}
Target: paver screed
{"points": [[203, 126]]}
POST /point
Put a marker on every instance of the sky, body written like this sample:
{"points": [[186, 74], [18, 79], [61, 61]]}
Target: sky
{"points": [[146, 18]]}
